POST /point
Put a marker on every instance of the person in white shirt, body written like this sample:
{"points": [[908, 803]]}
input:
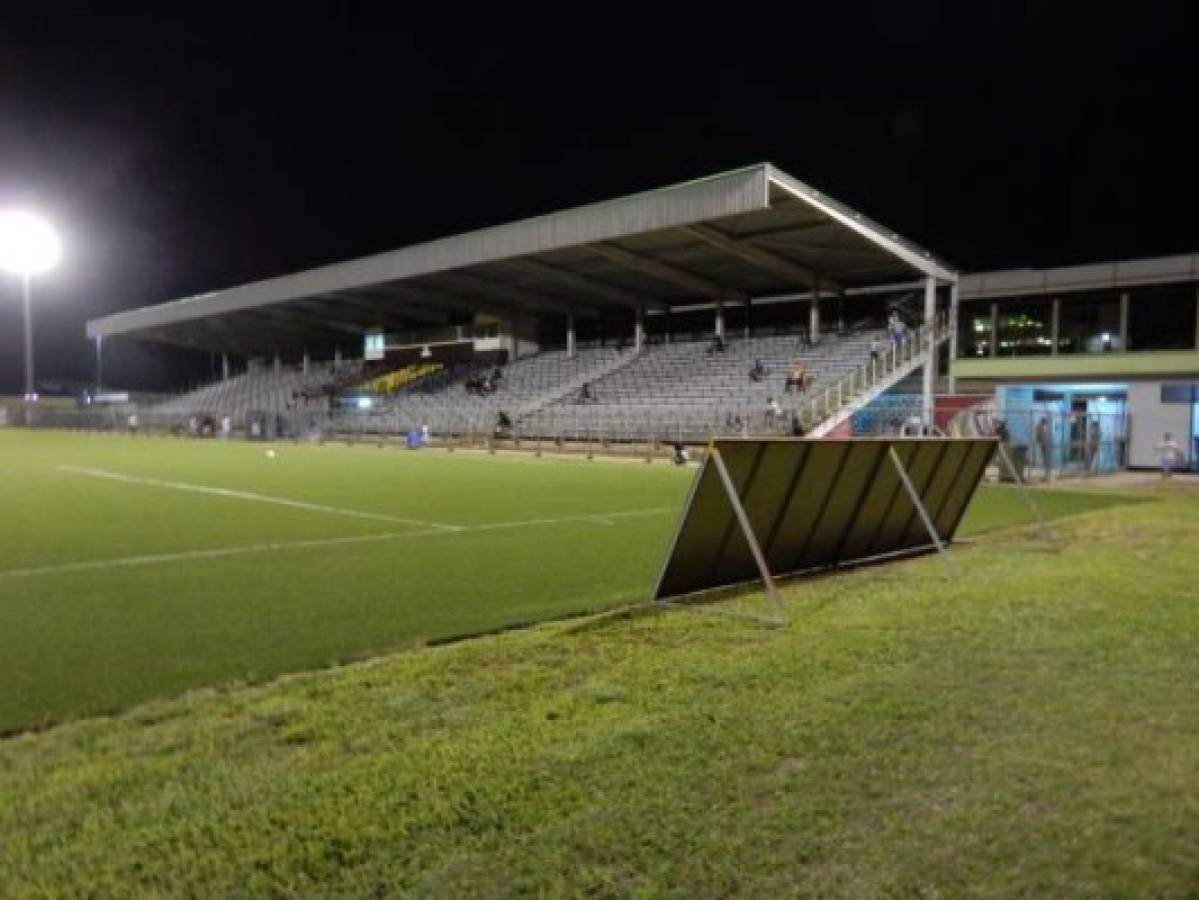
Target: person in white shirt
{"points": [[772, 411], [1168, 453]]}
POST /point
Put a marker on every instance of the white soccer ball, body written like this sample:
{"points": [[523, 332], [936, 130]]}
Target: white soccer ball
{"points": [[270, 454]]}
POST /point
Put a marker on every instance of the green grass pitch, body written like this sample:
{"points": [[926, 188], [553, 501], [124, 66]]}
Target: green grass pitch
{"points": [[137, 568]]}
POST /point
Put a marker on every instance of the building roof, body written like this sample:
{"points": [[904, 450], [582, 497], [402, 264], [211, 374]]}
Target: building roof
{"points": [[1069, 279], [749, 232]]}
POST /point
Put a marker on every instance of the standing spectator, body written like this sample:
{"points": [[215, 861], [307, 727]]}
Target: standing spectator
{"points": [[1168, 453], [1092, 445], [876, 350], [1044, 441], [772, 411]]}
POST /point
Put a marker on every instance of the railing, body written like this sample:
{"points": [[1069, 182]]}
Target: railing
{"points": [[859, 380]]}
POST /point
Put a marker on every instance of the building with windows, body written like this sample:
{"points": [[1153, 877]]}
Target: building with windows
{"points": [[1108, 354]]}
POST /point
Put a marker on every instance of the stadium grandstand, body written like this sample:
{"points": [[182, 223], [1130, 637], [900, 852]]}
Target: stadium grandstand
{"points": [[745, 302]]}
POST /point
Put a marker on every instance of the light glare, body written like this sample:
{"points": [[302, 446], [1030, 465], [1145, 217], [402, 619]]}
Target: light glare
{"points": [[28, 245]]}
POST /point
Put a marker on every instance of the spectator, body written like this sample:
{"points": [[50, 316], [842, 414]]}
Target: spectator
{"points": [[1092, 444], [1044, 441], [503, 422], [758, 372], [797, 429], [797, 378], [1168, 453], [497, 374], [681, 456], [585, 393], [772, 411], [876, 350], [718, 345]]}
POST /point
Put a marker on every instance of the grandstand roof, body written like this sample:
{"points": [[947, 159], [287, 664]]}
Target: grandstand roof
{"points": [[749, 232]]}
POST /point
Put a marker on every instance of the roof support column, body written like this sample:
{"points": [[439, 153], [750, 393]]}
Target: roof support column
{"points": [[1055, 324], [278, 362], [814, 315], [718, 325], [639, 330], [994, 330], [224, 367], [749, 306], [930, 364], [954, 304], [570, 336], [337, 356], [99, 363], [1123, 322], [1197, 318], [304, 362]]}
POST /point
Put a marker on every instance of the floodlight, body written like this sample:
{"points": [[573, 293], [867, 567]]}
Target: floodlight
{"points": [[28, 244]]}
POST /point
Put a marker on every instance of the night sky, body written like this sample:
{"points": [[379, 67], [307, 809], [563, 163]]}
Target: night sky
{"points": [[180, 153]]}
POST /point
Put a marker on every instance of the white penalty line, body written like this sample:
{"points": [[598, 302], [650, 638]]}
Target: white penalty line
{"points": [[249, 495], [311, 543]]}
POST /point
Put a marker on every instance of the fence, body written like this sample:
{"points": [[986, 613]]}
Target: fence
{"points": [[1052, 442]]}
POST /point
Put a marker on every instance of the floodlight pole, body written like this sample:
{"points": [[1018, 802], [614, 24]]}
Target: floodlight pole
{"points": [[914, 496], [26, 291]]}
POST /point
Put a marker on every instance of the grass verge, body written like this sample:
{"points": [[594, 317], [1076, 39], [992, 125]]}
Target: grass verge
{"points": [[1030, 728]]}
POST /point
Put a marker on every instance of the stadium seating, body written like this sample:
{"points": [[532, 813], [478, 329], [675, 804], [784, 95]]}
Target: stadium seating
{"points": [[262, 389], [446, 405], [687, 390], [668, 391]]}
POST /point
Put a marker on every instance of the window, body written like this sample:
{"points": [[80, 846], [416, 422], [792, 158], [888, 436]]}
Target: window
{"points": [[1090, 323], [974, 330], [1025, 328], [1180, 393], [1162, 318]]}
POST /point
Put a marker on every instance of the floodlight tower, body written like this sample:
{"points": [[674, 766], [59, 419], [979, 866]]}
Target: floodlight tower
{"points": [[28, 246]]}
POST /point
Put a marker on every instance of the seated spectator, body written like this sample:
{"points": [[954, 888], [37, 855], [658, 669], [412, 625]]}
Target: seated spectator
{"points": [[876, 350], [503, 422], [797, 429], [585, 393], [497, 374], [797, 378], [718, 345], [758, 372]]}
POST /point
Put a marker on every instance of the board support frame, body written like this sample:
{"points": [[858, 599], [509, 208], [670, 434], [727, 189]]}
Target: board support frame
{"points": [[914, 496]]}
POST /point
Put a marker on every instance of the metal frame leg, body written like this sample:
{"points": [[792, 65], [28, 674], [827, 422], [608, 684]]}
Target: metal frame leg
{"points": [[1047, 534], [750, 538], [914, 496]]}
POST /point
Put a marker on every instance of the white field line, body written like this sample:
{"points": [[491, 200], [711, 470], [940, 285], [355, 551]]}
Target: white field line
{"points": [[249, 495], [279, 546]]}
